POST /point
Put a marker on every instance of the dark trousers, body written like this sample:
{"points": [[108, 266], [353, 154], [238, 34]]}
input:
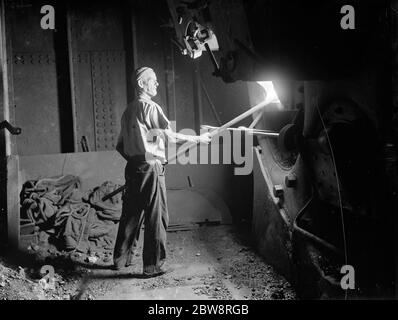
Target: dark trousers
{"points": [[144, 200]]}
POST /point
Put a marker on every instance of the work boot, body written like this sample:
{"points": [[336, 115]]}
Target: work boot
{"points": [[115, 267], [119, 268], [151, 271]]}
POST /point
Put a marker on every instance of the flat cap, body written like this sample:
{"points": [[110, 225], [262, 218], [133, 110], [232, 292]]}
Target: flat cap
{"points": [[142, 73]]}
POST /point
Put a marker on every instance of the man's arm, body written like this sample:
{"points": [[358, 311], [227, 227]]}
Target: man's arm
{"points": [[158, 120], [175, 137]]}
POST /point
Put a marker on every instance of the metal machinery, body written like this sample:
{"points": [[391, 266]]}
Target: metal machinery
{"points": [[324, 190]]}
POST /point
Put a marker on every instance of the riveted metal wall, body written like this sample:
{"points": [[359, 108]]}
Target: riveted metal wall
{"points": [[36, 104], [81, 82], [35, 98], [103, 67], [99, 72]]}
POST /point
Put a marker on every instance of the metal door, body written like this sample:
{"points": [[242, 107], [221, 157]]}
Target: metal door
{"points": [[98, 70]]}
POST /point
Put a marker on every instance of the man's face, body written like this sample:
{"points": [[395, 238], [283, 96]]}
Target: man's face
{"points": [[151, 84]]}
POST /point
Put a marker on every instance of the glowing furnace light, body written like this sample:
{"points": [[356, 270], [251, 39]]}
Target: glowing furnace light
{"points": [[271, 95]]}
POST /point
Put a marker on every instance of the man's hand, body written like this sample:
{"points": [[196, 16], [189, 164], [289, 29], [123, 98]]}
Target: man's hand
{"points": [[175, 137], [204, 138]]}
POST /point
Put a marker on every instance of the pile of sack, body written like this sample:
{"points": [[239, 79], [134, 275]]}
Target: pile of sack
{"points": [[75, 220]]}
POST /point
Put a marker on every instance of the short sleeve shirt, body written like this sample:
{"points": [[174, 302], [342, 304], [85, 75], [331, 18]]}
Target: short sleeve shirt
{"points": [[141, 129]]}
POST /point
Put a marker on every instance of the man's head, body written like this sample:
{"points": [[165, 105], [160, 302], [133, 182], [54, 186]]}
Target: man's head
{"points": [[146, 81]]}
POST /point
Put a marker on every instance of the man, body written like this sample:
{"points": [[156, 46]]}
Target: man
{"points": [[142, 142]]}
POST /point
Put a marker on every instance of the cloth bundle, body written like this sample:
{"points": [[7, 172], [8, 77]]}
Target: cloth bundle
{"points": [[76, 220]]}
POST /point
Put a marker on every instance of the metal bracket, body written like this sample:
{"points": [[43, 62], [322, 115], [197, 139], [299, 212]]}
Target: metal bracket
{"points": [[13, 130]]}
